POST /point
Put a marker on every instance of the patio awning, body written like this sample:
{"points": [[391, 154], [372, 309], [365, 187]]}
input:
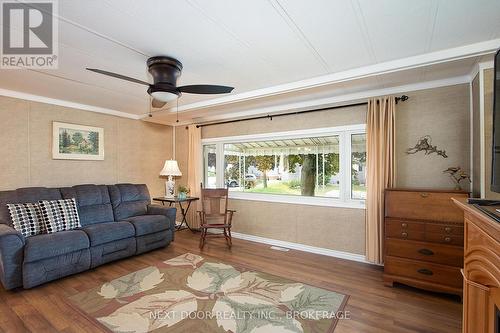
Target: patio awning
{"points": [[319, 145], [286, 146]]}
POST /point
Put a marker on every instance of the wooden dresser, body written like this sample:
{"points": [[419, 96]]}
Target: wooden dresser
{"points": [[423, 239], [481, 271]]}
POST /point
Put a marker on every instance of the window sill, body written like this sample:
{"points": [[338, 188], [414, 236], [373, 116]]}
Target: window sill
{"points": [[300, 200]]}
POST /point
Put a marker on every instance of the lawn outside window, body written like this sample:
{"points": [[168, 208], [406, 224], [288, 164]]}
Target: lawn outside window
{"points": [[325, 167]]}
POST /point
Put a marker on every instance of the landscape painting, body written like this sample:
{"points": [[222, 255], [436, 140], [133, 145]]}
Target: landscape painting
{"points": [[77, 142]]}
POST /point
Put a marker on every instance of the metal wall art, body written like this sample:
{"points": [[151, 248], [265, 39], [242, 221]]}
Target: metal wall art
{"points": [[425, 144]]}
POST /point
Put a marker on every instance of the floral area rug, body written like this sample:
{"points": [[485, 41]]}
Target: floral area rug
{"points": [[190, 293]]}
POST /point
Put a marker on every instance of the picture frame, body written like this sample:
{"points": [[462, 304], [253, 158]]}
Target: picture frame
{"points": [[77, 142]]}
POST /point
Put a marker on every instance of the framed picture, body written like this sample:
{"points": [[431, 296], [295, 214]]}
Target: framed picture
{"points": [[77, 142]]}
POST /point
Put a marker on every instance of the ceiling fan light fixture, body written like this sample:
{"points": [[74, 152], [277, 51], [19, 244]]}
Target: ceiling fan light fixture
{"points": [[163, 94]]}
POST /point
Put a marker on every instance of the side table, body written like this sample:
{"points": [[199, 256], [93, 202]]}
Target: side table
{"points": [[184, 210]]}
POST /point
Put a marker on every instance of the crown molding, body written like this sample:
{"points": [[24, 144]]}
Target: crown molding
{"points": [[474, 72], [60, 102], [480, 66], [338, 100], [486, 65], [457, 53]]}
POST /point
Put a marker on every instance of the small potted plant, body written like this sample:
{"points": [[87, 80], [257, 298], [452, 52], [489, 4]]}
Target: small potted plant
{"points": [[457, 175], [182, 192]]}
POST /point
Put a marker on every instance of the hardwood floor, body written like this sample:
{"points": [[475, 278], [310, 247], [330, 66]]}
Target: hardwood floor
{"points": [[372, 306]]}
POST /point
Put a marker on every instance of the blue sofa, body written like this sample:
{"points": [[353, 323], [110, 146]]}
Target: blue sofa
{"points": [[118, 221]]}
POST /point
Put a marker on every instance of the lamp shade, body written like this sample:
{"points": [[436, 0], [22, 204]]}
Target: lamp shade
{"points": [[170, 169]]}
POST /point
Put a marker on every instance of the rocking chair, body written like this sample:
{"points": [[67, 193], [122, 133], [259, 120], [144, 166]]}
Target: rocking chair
{"points": [[215, 215]]}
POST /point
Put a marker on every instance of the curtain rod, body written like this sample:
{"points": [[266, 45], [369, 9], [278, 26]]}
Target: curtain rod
{"points": [[270, 117]]}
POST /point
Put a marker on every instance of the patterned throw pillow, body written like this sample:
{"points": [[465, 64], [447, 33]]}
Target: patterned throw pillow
{"points": [[60, 215], [27, 218]]}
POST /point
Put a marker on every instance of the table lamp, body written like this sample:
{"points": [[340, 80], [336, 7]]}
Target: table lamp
{"points": [[170, 169]]}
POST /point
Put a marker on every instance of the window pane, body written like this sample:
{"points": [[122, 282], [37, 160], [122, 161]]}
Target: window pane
{"points": [[305, 166], [358, 165], [210, 163], [233, 168]]}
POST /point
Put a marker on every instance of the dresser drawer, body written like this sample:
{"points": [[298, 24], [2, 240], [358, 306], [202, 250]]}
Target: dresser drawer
{"points": [[424, 271], [404, 225], [445, 229], [430, 252], [402, 229], [444, 238], [423, 205]]}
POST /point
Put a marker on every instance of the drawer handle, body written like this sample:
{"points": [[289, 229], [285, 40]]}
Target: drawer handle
{"points": [[404, 225], [404, 234], [447, 229], [426, 252], [447, 239], [424, 195], [425, 271]]}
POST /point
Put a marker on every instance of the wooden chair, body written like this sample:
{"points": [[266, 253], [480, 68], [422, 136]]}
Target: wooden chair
{"points": [[215, 214]]}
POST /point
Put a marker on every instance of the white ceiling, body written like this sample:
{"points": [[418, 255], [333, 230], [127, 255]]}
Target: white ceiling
{"points": [[275, 52]]}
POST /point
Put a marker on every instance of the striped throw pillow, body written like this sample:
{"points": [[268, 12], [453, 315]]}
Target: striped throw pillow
{"points": [[27, 218], [60, 215]]}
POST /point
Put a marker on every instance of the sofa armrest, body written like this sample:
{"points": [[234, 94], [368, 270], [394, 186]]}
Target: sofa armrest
{"points": [[11, 257], [169, 212]]}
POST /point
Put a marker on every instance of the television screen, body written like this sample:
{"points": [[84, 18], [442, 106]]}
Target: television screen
{"points": [[495, 170]]}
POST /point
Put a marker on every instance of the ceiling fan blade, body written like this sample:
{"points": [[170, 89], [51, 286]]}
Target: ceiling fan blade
{"points": [[118, 76], [157, 104], [205, 89]]}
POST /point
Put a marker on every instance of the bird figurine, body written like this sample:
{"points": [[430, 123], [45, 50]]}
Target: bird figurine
{"points": [[457, 175]]}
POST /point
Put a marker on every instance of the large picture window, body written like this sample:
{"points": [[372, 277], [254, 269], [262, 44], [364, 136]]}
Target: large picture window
{"points": [[321, 166]]}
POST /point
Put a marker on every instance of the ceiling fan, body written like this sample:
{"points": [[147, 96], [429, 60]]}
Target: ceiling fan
{"points": [[165, 72]]}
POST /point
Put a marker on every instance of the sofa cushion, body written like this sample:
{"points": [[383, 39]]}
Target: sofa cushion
{"points": [[52, 245], [101, 233], [35, 194], [23, 195], [149, 224], [94, 204], [129, 200]]}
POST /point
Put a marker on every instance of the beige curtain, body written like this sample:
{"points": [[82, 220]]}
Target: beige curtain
{"points": [[194, 172], [381, 170]]}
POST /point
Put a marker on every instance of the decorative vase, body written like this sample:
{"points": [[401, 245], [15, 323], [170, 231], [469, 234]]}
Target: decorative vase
{"points": [[182, 195]]}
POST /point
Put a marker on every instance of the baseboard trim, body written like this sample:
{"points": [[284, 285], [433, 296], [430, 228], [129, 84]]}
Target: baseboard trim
{"points": [[302, 247]]}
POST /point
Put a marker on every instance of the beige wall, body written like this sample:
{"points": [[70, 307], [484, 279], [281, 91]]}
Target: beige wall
{"points": [[476, 140], [482, 171], [488, 77], [337, 117], [443, 113], [181, 143], [134, 150], [340, 229]]}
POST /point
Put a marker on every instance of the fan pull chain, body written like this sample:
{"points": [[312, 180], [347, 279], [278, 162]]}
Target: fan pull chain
{"points": [[177, 112]]}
